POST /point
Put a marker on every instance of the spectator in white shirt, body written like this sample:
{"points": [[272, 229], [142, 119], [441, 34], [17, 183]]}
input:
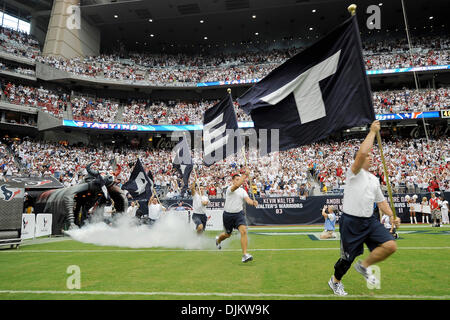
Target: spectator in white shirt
{"points": [[131, 211], [155, 210]]}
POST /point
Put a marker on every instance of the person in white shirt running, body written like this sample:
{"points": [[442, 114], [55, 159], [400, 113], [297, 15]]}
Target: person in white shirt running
{"points": [[233, 214], [357, 224], [199, 203]]}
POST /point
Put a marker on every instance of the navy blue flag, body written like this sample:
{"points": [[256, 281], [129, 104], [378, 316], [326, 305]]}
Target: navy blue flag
{"points": [[320, 91], [140, 186], [182, 162], [220, 135]]}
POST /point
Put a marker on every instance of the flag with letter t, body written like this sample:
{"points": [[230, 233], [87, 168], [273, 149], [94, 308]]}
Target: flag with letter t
{"points": [[220, 132], [319, 91]]}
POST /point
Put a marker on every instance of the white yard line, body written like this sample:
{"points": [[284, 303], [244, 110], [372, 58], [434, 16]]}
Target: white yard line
{"points": [[194, 250], [220, 294], [320, 227]]}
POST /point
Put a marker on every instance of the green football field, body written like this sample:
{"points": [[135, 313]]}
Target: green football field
{"points": [[289, 263]]}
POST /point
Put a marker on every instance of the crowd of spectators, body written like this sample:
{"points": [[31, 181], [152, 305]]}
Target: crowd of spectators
{"points": [[148, 112], [106, 66], [172, 112], [47, 100], [406, 100], [28, 71], [405, 60], [388, 53], [89, 109], [413, 165], [182, 69], [19, 43]]}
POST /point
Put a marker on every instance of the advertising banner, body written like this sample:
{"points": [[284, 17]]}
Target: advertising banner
{"points": [[292, 210], [11, 205], [43, 224], [28, 225]]}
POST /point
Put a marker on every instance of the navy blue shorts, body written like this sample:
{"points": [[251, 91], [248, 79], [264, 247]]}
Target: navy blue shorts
{"points": [[198, 219], [233, 221], [355, 231]]}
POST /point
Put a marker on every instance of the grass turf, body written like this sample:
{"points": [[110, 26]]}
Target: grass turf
{"points": [[288, 264]]}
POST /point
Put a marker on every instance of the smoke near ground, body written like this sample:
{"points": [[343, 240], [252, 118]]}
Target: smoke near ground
{"points": [[170, 231]]}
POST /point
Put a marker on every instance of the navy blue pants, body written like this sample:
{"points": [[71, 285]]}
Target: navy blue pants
{"points": [[199, 219], [355, 231], [233, 220]]}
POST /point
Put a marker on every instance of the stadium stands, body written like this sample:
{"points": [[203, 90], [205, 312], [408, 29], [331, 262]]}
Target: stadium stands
{"points": [[322, 162], [413, 164]]}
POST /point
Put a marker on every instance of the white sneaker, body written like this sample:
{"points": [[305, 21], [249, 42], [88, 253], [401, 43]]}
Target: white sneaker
{"points": [[217, 243], [247, 257], [338, 287], [370, 278]]}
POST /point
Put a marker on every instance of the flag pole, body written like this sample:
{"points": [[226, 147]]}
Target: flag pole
{"points": [[245, 159], [352, 9], [196, 183], [386, 174], [154, 192]]}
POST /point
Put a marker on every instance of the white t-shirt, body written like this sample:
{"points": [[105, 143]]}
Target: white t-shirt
{"points": [[131, 211], [444, 208], [385, 220], [360, 193], [197, 203], [154, 211], [234, 201]]}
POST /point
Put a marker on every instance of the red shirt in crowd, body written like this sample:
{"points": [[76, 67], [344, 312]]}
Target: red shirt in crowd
{"points": [[212, 191], [434, 185], [434, 203]]}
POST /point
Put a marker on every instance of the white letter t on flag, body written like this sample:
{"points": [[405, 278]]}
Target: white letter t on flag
{"points": [[306, 89]]}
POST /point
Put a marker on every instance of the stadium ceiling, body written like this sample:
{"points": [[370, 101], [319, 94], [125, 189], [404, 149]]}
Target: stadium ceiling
{"points": [[27, 8], [190, 23], [145, 24]]}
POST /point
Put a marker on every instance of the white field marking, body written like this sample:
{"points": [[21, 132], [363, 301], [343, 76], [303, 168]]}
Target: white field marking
{"points": [[195, 250], [220, 294], [402, 226], [286, 228], [303, 233]]}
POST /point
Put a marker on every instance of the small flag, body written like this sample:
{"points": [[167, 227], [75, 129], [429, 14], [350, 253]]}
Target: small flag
{"points": [[182, 162], [220, 135], [140, 186]]}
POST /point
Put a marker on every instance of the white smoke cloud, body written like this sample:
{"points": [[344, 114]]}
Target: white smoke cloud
{"points": [[170, 231]]}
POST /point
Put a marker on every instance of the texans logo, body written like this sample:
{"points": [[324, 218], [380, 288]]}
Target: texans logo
{"points": [[8, 194], [24, 222]]}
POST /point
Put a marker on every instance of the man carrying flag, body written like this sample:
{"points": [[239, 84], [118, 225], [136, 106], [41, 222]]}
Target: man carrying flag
{"points": [[358, 225], [233, 214], [323, 90]]}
